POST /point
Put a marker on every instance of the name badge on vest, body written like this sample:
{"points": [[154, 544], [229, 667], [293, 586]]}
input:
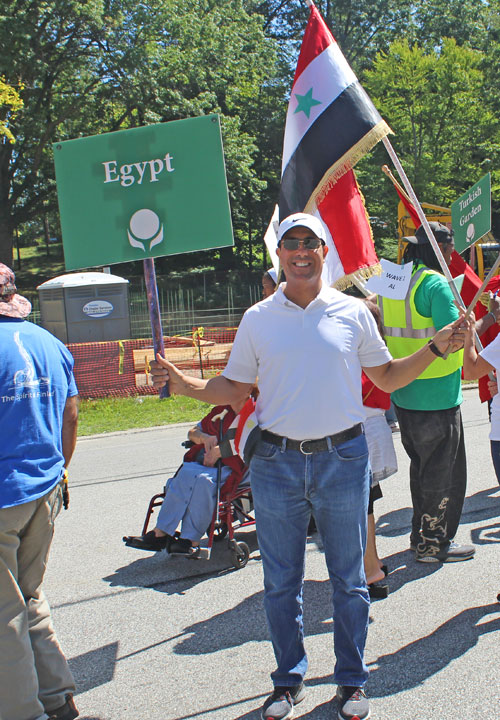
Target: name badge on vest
{"points": [[394, 281]]}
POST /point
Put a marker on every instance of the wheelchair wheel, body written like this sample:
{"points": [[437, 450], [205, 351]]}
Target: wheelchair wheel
{"points": [[220, 531], [240, 555]]}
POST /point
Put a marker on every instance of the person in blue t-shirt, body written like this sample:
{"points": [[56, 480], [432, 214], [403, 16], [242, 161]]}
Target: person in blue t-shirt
{"points": [[38, 422]]}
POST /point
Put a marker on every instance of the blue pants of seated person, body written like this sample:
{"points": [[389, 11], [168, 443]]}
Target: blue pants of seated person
{"points": [[190, 499]]}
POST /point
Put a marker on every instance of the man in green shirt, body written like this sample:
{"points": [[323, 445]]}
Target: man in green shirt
{"points": [[428, 408]]}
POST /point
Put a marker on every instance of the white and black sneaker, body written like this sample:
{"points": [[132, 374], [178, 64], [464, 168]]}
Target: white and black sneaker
{"points": [[353, 703], [279, 705], [454, 553]]}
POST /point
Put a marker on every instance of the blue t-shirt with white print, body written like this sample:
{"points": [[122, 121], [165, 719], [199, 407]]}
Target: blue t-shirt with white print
{"points": [[36, 379]]}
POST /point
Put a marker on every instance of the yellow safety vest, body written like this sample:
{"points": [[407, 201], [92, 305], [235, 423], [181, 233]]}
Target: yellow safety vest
{"points": [[406, 331]]}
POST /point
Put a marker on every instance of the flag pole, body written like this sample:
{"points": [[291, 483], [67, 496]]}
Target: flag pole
{"points": [[386, 170], [360, 285], [423, 220], [428, 231], [483, 287], [154, 314]]}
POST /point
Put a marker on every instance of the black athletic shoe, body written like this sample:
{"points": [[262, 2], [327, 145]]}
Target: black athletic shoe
{"points": [[353, 703], [279, 705]]}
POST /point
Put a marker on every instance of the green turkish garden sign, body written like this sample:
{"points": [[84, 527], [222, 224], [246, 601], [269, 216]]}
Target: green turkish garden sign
{"points": [[471, 214], [141, 193]]}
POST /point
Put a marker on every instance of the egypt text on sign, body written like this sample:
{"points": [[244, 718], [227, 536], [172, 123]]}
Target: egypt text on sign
{"points": [[145, 192]]}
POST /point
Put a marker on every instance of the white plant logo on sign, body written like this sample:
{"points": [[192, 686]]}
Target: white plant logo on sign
{"points": [[470, 232], [145, 225]]}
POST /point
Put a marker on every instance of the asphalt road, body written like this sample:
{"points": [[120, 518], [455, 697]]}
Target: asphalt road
{"points": [[175, 639]]}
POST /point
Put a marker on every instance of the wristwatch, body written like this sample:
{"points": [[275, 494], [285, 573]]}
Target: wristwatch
{"points": [[434, 348]]}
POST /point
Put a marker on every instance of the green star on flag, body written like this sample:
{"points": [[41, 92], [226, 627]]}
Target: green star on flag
{"points": [[306, 102]]}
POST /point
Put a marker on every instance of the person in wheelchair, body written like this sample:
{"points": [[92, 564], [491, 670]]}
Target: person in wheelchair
{"points": [[190, 495]]}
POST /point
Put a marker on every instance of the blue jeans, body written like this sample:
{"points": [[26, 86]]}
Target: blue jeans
{"points": [[390, 415], [334, 485], [495, 456]]}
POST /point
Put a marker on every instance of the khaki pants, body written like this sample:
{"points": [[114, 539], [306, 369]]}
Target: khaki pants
{"points": [[34, 674]]}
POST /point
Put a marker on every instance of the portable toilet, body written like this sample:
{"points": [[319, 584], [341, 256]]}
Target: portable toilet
{"points": [[85, 307]]}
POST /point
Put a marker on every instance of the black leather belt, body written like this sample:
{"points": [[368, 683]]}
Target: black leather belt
{"points": [[308, 447]]}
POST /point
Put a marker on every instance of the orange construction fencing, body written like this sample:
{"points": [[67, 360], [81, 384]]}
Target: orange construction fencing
{"points": [[120, 367]]}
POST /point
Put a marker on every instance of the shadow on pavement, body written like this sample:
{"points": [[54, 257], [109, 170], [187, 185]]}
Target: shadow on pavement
{"points": [[176, 575], [412, 664], [403, 569], [486, 535], [394, 523], [246, 622], [320, 712], [94, 668], [483, 505]]}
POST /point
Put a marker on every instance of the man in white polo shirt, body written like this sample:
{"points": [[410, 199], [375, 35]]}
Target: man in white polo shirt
{"points": [[307, 344]]}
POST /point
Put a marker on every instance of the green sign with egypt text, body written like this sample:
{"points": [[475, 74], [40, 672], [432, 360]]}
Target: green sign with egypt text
{"points": [[146, 192], [471, 214]]}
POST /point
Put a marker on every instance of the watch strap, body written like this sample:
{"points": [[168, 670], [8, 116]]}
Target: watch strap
{"points": [[434, 348]]}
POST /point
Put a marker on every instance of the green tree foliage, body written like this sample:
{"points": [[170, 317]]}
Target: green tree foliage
{"points": [[100, 65], [84, 67], [466, 21], [360, 27], [446, 134], [51, 49], [10, 103]]}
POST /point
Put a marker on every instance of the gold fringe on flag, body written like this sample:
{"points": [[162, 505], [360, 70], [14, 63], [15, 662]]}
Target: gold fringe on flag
{"points": [[347, 162], [362, 274]]}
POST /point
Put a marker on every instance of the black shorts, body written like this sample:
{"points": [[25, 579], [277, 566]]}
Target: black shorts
{"points": [[375, 494]]}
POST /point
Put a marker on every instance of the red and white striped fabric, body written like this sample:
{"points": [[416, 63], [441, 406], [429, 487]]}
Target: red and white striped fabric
{"points": [[246, 431]]}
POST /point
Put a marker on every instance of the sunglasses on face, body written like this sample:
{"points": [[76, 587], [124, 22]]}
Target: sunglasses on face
{"points": [[310, 243]]}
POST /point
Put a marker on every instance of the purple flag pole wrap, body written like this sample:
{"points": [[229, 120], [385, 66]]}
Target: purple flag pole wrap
{"points": [[154, 314]]}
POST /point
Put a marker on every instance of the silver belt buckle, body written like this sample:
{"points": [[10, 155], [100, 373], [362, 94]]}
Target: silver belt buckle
{"points": [[303, 451]]}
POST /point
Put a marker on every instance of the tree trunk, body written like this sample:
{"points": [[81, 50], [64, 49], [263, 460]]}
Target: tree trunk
{"points": [[250, 245], [46, 232], [226, 261], [18, 251], [6, 234]]}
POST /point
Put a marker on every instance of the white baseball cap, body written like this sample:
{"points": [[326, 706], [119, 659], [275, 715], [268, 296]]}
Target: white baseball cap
{"points": [[302, 220], [273, 275]]}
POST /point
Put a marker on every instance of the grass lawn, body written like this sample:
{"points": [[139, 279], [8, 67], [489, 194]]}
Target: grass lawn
{"points": [[112, 414]]}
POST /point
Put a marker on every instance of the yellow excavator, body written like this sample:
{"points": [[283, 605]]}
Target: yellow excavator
{"points": [[480, 256]]}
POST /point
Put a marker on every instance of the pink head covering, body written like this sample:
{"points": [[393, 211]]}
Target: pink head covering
{"points": [[11, 304]]}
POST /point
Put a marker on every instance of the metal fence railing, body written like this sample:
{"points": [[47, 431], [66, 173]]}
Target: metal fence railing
{"points": [[182, 322], [174, 322], [180, 310]]}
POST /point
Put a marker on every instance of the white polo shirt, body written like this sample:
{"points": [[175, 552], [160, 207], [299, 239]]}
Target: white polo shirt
{"points": [[308, 362], [491, 353]]}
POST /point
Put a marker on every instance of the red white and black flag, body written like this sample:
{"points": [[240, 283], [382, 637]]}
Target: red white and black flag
{"points": [[331, 123]]}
